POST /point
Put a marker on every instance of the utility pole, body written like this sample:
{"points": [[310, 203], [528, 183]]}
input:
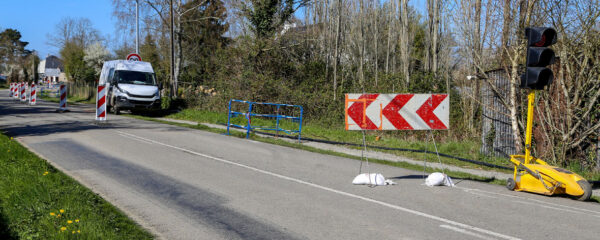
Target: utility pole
{"points": [[174, 89], [137, 27]]}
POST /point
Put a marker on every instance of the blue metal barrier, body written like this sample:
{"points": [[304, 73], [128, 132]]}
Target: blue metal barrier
{"points": [[232, 114]]}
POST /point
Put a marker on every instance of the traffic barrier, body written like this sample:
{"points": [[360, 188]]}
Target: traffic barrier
{"points": [[249, 114], [63, 98], [101, 103], [32, 94], [24, 92], [17, 95], [10, 93]]}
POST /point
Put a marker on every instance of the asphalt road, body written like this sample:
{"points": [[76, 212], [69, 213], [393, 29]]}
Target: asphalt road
{"points": [[189, 184]]}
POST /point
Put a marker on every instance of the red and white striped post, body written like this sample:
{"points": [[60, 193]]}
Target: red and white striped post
{"points": [[32, 94], [18, 91], [24, 92], [63, 97], [101, 103], [10, 93]]}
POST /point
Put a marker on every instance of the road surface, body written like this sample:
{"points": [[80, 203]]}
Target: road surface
{"points": [[189, 184]]}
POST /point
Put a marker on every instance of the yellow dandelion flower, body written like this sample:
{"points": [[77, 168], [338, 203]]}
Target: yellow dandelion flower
{"points": [[58, 215], [73, 231], [45, 173], [69, 221], [61, 211], [52, 214], [63, 228], [11, 138], [78, 231], [77, 220]]}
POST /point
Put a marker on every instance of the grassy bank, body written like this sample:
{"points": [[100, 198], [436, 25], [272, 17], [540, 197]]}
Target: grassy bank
{"points": [[70, 99], [39, 202]]}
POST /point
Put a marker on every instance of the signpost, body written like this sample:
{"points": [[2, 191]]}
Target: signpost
{"points": [[134, 57]]}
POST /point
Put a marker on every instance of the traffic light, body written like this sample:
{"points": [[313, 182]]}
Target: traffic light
{"points": [[537, 75]]}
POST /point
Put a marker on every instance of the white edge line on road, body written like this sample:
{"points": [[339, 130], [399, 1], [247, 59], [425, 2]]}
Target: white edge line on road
{"points": [[134, 138], [415, 212], [581, 210], [460, 230], [555, 208]]}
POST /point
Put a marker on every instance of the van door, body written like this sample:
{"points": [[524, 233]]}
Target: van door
{"points": [[109, 82]]}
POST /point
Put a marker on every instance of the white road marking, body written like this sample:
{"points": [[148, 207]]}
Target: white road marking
{"points": [[463, 231], [480, 194], [545, 204], [415, 212], [554, 208], [134, 138]]}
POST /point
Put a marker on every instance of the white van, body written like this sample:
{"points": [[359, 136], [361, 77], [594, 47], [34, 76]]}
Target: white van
{"points": [[131, 85]]}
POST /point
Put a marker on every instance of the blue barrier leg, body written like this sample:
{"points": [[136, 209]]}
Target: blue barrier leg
{"points": [[300, 127], [228, 117], [277, 122], [248, 127]]}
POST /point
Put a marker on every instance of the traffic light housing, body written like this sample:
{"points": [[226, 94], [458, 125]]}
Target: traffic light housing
{"points": [[537, 75]]}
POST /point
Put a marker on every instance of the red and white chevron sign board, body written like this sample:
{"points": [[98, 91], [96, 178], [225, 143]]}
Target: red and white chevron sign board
{"points": [[10, 93], [101, 103], [397, 111], [32, 95]]}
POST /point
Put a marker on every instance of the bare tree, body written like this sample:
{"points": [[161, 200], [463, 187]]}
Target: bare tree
{"points": [[404, 40], [79, 31]]}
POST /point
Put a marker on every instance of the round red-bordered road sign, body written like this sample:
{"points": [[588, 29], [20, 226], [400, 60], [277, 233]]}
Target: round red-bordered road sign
{"points": [[134, 57]]}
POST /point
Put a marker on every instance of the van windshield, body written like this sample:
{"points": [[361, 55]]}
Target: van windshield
{"points": [[133, 77]]}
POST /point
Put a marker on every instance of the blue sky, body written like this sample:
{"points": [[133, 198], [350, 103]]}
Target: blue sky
{"points": [[36, 18]]}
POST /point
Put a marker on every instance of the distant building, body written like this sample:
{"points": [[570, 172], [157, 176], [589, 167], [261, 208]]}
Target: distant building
{"points": [[51, 69]]}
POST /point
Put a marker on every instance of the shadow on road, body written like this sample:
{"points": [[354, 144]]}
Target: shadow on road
{"points": [[203, 206], [455, 179]]}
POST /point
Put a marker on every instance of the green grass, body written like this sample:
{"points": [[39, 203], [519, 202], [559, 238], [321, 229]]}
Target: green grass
{"points": [[70, 99], [32, 194]]}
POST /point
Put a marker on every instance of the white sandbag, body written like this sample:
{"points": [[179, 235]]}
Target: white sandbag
{"points": [[375, 179], [438, 179]]}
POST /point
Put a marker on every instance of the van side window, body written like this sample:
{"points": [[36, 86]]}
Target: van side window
{"points": [[110, 75]]}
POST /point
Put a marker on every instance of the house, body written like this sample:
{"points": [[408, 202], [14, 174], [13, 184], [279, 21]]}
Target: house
{"points": [[51, 70]]}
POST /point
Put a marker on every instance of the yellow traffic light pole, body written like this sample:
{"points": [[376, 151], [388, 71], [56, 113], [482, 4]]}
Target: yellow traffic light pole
{"points": [[534, 175]]}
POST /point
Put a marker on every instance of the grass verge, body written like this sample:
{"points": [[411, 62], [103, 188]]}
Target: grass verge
{"points": [[70, 99], [39, 202]]}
